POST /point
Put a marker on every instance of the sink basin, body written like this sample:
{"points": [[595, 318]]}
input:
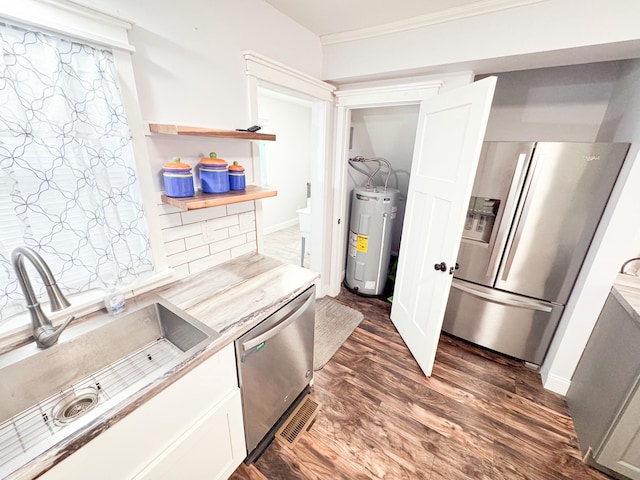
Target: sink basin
{"points": [[52, 394]]}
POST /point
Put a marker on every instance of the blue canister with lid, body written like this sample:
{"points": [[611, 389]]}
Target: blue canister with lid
{"points": [[178, 179], [214, 174], [236, 177]]}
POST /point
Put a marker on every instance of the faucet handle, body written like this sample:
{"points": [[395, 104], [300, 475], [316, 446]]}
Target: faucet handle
{"points": [[47, 335]]}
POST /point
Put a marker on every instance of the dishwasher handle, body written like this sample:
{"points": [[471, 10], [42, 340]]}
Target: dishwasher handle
{"points": [[277, 328]]}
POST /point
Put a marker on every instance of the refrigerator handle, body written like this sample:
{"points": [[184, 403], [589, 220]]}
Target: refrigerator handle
{"points": [[496, 296], [521, 215], [507, 213]]}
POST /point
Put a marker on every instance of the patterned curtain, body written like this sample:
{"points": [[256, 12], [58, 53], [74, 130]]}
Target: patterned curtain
{"points": [[68, 185]]}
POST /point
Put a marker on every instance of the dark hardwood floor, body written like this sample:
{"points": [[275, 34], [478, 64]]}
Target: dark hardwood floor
{"points": [[479, 416]]}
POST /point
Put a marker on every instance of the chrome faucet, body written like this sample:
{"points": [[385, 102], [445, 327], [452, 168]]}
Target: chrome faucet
{"points": [[44, 333]]}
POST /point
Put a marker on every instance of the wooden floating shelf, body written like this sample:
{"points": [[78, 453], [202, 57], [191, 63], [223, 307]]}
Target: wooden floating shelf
{"points": [[205, 200], [208, 132]]}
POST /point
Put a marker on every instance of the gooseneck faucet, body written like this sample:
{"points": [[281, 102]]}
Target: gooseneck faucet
{"points": [[44, 332]]}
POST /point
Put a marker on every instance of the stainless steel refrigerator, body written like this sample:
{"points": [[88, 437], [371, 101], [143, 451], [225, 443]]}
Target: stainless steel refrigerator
{"points": [[532, 215]]}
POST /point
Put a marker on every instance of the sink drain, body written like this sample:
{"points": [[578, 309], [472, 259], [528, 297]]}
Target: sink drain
{"points": [[75, 405]]}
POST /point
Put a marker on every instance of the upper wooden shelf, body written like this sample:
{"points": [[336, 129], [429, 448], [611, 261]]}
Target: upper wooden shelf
{"points": [[208, 132], [204, 200]]}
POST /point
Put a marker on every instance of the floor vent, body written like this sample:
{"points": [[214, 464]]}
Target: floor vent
{"points": [[299, 421]]}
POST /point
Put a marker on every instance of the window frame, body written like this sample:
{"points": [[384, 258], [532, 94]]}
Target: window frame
{"points": [[95, 28]]}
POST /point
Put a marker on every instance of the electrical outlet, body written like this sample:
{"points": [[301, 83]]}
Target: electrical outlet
{"points": [[245, 223], [208, 232]]}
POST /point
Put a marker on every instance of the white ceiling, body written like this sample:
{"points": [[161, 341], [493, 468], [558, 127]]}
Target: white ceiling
{"points": [[326, 17]]}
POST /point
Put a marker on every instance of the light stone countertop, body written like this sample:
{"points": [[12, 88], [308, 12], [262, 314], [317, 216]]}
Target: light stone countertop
{"points": [[237, 295], [626, 289], [231, 298]]}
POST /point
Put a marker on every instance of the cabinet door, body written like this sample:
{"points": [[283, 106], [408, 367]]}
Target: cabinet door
{"points": [[211, 449], [621, 452], [135, 442]]}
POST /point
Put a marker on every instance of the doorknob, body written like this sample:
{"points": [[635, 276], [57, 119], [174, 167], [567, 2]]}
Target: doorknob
{"points": [[441, 266], [454, 268]]}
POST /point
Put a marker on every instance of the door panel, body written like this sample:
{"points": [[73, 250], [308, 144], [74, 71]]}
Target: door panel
{"points": [[517, 326], [497, 185], [568, 192], [448, 142]]}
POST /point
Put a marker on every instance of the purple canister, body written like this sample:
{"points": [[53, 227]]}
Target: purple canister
{"points": [[178, 179], [236, 177], [214, 174]]}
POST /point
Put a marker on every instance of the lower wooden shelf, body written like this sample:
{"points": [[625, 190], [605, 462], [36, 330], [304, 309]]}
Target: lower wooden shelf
{"points": [[205, 200]]}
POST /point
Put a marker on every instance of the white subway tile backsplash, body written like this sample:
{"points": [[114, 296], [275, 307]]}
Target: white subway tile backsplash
{"points": [[170, 220], [242, 249], [170, 234], [199, 239], [195, 241], [227, 244], [242, 207], [182, 271], [210, 261], [224, 222], [246, 221], [175, 246], [164, 209], [188, 256], [203, 214]]}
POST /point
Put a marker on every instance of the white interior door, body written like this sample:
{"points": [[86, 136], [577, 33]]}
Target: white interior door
{"points": [[450, 131]]}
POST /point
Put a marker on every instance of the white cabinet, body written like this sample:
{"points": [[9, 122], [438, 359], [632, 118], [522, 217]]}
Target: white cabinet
{"points": [[192, 429], [604, 397], [621, 452]]}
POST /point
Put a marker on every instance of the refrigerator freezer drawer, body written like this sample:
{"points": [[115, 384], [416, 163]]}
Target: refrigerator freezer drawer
{"points": [[511, 324]]}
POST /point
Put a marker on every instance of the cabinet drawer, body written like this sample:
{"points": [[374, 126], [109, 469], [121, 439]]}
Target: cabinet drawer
{"points": [[210, 449], [136, 440]]}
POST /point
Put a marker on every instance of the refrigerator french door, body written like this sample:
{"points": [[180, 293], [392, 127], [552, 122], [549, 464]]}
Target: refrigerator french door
{"points": [[532, 216]]}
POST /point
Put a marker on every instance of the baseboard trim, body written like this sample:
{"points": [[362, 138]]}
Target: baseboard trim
{"points": [[280, 226], [555, 383]]}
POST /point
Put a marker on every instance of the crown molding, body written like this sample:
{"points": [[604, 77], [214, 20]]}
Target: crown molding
{"points": [[479, 8]]}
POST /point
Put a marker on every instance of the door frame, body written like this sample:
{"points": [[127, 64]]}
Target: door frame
{"points": [[347, 100], [262, 71]]}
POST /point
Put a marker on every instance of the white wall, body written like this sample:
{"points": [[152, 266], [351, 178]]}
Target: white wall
{"points": [[288, 159], [387, 132], [190, 70], [390, 133], [548, 33], [616, 239], [561, 104]]}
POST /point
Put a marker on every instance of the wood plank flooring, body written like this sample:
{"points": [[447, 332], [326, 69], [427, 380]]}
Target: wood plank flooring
{"points": [[479, 416]]}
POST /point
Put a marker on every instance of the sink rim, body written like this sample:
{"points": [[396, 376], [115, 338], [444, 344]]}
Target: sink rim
{"points": [[105, 411], [95, 320]]}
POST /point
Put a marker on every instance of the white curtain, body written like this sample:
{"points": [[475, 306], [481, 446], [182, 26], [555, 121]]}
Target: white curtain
{"points": [[68, 185]]}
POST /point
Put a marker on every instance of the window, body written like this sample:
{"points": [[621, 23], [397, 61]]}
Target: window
{"points": [[68, 183]]}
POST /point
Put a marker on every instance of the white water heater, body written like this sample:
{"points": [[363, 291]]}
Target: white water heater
{"points": [[373, 216]]}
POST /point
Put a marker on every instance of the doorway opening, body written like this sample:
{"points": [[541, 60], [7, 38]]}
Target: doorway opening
{"points": [[286, 166], [272, 82], [372, 122]]}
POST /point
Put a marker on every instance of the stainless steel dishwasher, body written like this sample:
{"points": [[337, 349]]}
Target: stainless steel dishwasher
{"points": [[275, 369]]}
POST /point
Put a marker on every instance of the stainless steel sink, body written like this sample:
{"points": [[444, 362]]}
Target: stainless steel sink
{"points": [[51, 394]]}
